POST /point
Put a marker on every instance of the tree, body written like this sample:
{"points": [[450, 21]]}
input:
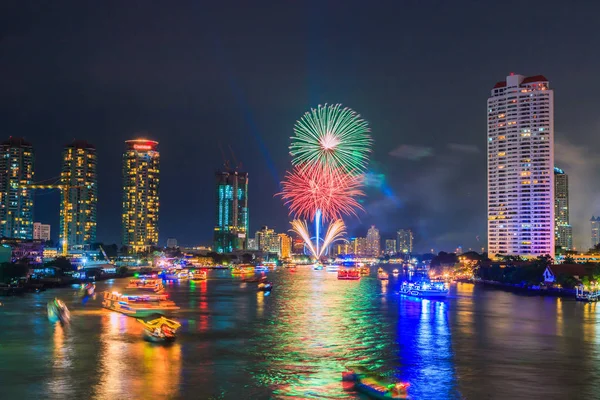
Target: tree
{"points": [[569, 259], [247, 258], [123, 270], [11, 271], [61, 263]]}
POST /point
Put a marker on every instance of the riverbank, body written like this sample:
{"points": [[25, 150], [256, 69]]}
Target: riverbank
{"points": [[523, 290], [41, 285]]}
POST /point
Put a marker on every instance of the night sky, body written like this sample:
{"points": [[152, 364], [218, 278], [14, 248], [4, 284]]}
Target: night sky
{"points": [[195, 74]]}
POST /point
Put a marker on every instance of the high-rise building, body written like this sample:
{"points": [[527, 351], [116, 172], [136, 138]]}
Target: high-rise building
{"points": [[390, 246], [343, 248], [373, 242], [78, 206], [563, 232], [359, 246], [251, 245], [171, 243], [595, 222], [141, 167], [267, 240], [285, 246], [405, 241], [521, 167], [231, 230], [41, 231], [16, 201]]}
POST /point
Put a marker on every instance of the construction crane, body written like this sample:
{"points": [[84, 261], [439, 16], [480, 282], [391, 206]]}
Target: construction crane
{"points": [[64, 191]]}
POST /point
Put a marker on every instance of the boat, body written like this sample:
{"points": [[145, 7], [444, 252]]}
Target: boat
{"points": [[425, 289], [364, 271], [375, 388], [138, 306], [332, 268], [183, 274], [265, 286], [158, 329], [197, 275], [261, 268], [318, 267], [381, 274], [395, 272], [242, 269], [89, 288], [348, 274], [58, 312], [146, 284], [582, 295]]}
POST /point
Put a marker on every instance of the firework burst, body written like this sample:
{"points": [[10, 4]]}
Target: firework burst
{"points": [[308, 189], [335, 232], [332, 137]]}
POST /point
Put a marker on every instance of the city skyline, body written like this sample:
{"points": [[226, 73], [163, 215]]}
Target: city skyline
{"points": [[426, 171]]}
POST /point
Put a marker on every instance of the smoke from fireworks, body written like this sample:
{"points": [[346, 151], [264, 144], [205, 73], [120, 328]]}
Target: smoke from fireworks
{"points": [[331, 137], [306, 190]]}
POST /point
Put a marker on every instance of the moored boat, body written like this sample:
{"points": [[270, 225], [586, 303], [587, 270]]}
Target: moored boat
{"points": [[374, 388], [242, 269], [348, 274], [261, 268], [381, 274], [198, 275], [146, 284], [318, 267], [138, 306], [364, 270]]}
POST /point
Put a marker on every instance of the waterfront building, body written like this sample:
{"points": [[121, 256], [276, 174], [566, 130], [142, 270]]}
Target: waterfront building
{"points": [[231, 229], [171, 243], [141, 167], [285, 246], [251, 244], [373, 242], [390, 246], [41, 231], [16, 200], [521, 167], [563, 232], [359, 246], [80, 194], [267, 240], [595, 224], [405, 241], [343, 248]]}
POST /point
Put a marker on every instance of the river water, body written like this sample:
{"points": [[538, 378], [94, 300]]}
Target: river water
{"points": [[237, 343]]}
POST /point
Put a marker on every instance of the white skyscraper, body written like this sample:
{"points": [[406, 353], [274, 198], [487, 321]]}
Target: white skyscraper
{"points": [[373, 242], [521, 167]]}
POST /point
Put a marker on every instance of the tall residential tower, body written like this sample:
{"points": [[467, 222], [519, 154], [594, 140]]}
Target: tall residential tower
{"points": [[373, 242], [231, 229], [78, 207], [16, 201], [405, 241], [563, 232], [520, 146], [141, 166]]}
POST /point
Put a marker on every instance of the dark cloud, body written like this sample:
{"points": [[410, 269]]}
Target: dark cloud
{"points": [[464, 148], [411, 152]]}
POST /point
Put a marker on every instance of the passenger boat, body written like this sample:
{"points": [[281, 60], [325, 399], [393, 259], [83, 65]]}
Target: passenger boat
{"points": [[242, 269], [425, 289], [183, 274], [58, 312], [374, 388], [582, 295], [198, 275], [158, 329], [364, 271], [381, 274], [138, 306], [146, 284], [395, 272], [89, 288], [318, 267], [261, 268], [348, 274], [332, 268], [265, 286]]}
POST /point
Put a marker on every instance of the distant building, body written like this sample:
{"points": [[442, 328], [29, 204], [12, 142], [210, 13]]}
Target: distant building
{"points": [[343, 248], [41, 231], [373, 242], [405, 241], [563, 232], [267, 240], [141, 167], [390, 246], [251, 244], [595, 222], [520, 155], [16, 201], [28, 250], [171, 243], [359, 246], [78, 209], [285, 246], [231, 229], [298, 246]]}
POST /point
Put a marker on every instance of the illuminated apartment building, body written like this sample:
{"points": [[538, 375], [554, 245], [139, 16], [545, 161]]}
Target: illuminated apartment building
{"points": [[79, 203], [373, 242], [390, 246], [563, 235], [141, 166], [521, 167], [231, 229], [405, 241], [285, 245], [16, 201]]}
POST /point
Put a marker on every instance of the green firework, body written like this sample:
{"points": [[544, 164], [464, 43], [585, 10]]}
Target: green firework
{"points": [[332, 137]]}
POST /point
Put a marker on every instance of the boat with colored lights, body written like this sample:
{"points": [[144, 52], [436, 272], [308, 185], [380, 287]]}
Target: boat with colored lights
{"points": [[375, 388], [318, 267], [261, 268], [183, 274], [432, 289], [332, 268], [265, 286], [197, 275], [146, 284], [382, 275], [242, 269], [158, 329], [364, 270], [395, 272], [58, 312], [348, 274], [138, 305]]}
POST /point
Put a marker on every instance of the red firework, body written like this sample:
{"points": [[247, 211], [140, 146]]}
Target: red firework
{"points": [[310, 188]]}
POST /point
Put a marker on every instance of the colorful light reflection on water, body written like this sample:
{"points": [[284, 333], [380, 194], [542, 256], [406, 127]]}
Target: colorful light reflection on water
{"points": [[237, 343]]}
